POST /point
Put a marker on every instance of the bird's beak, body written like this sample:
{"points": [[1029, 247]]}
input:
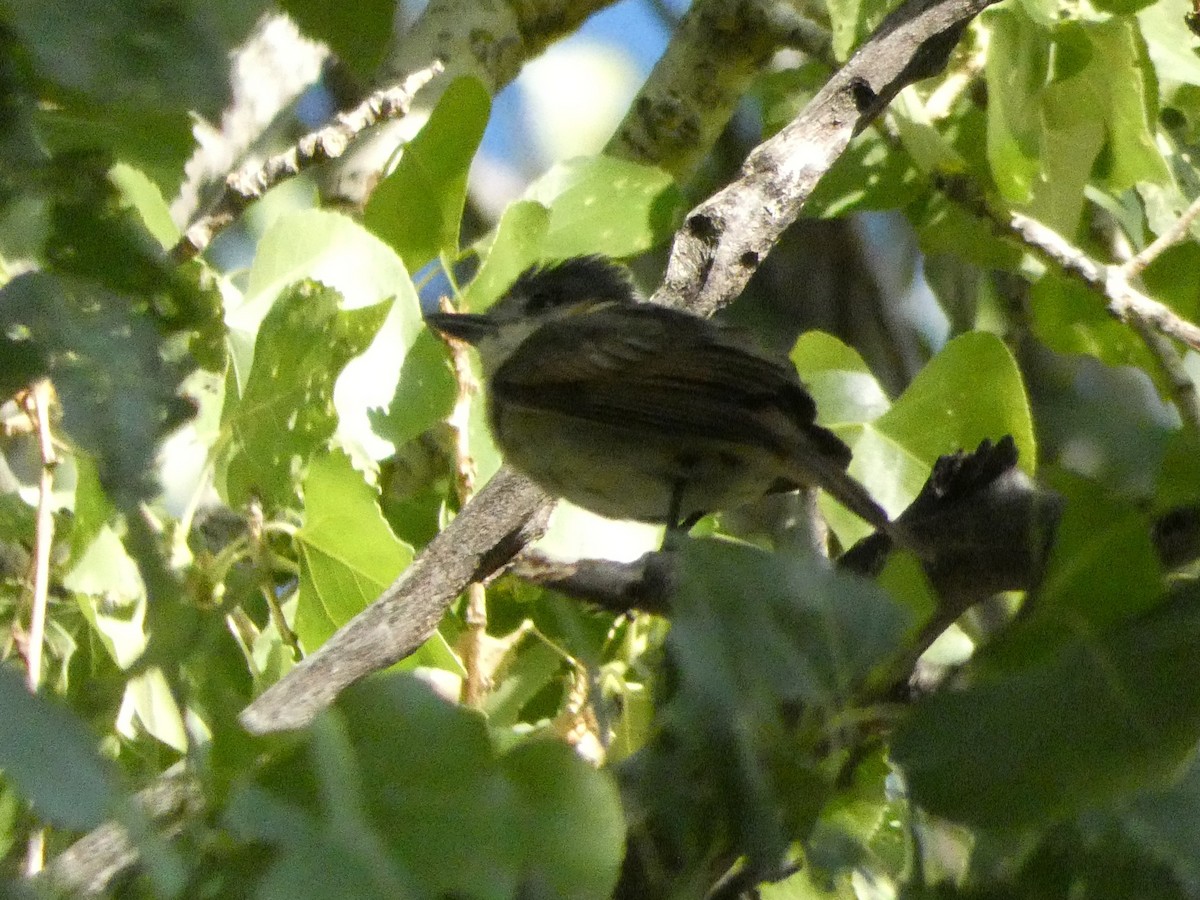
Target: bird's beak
{"points": [[467, 327]]}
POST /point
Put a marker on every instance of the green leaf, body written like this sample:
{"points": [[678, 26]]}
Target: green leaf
{"points": [[536, 663], [603, 205], [18, 519], [1168, 279], [104, 356], [286, 411], [852, 21], [1165, 823], [1068, 147], [156, 142], [782, 93], [755, 637], [1072, 318], [515, 245], [757, 628], [848, 26], [1081, 591], [337, 252], [1108, 712], [348, 554], [1169, 42], [571, 826], [168, 55], [397, 792], [1018, 66], [149, 702], [1179, 478], [816, 352], [1063, 99], [970, 391], [144, 196], [945, 227], [417, 208], [115, 597], [840, 382], [1122, 66], [47, 753], [425, 392], [358, 33]]}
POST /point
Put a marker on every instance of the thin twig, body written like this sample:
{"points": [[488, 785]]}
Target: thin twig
{"points": [[37, 407], [244, 187], [1168, 238], [1148, 317], [266, 583], [1124, 301], [475, 685]]}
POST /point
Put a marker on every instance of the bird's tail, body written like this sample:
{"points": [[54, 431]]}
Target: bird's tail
{"points": [[828, 475]]}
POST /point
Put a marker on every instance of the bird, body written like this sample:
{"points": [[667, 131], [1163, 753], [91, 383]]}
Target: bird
{"points": [[638, 411]]}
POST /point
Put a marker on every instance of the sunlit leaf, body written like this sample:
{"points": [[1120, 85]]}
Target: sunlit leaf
{"points": [[348, 555], [970, 391], [599, 204], [286, 411], [337, 252], [418, 207]]}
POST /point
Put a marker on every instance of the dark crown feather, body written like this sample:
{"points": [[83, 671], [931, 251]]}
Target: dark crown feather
{"points": [[579, 278]]}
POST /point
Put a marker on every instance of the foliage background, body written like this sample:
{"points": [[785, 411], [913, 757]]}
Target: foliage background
{"points": [[250, 446]]}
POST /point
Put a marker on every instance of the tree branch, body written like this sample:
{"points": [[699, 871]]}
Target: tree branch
{"points": [[725, 238], [498, 521], [489, 41], [717, 49], [1168, 238], [88, 867], [1147, 316], [244, 187], [1124, 301]]}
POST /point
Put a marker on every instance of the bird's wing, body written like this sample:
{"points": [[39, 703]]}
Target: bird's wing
{"points": [[653, 368]]}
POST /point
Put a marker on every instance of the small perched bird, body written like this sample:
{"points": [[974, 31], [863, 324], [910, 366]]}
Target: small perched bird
{"points": [[637, 411]]}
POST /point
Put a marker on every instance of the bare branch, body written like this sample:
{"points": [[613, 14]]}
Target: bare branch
{"points": [[1147, 316], [1168, 238], [1124, 301], [715, 52], [501, 519], [88, 867], [489, 41], [644, 584], [268, 72], [725, 238], [243, 188]]}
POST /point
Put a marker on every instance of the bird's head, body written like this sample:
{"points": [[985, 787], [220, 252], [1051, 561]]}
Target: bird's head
{"points": [[539, 295]]}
